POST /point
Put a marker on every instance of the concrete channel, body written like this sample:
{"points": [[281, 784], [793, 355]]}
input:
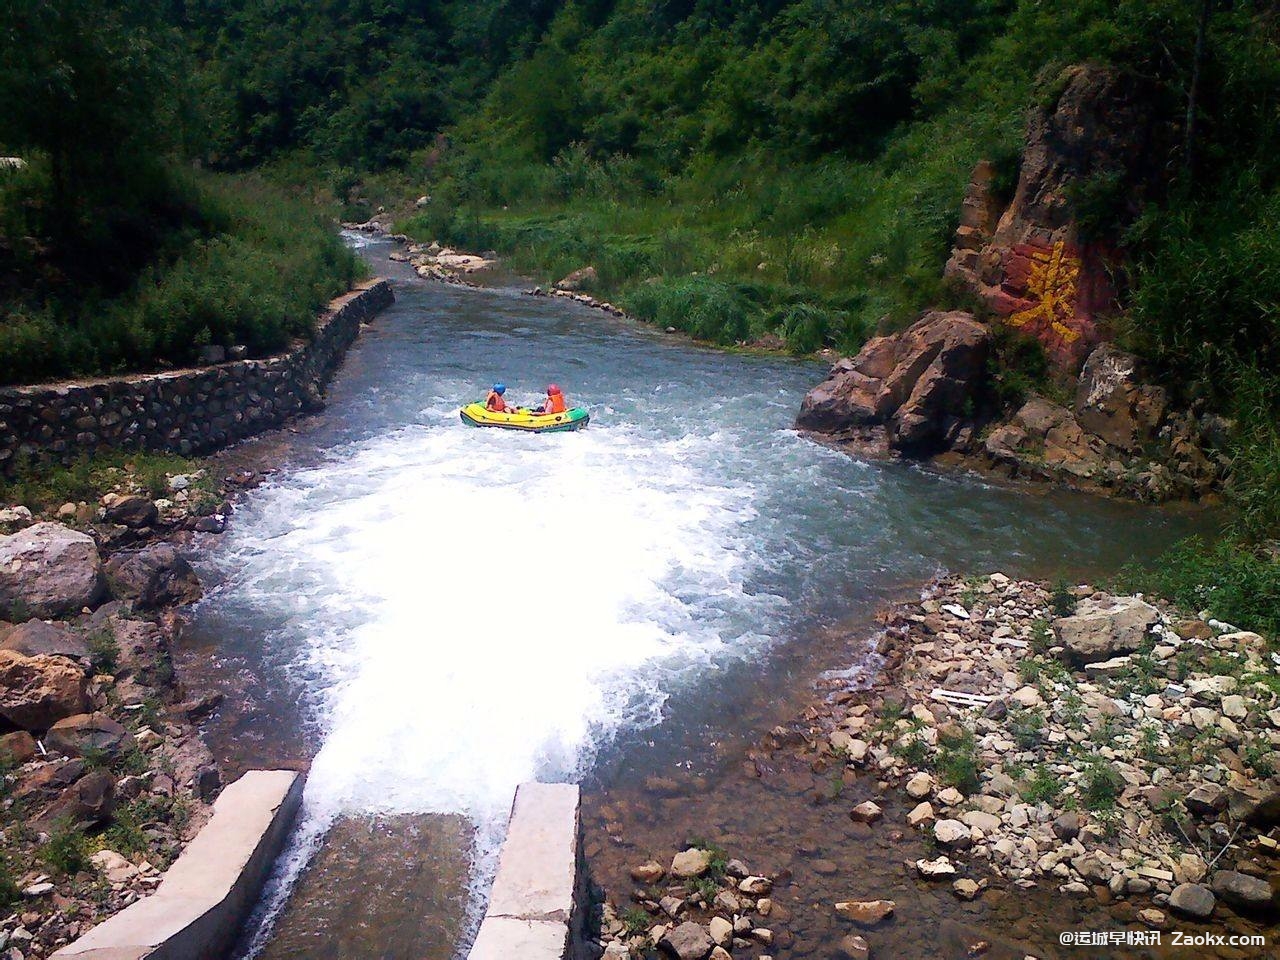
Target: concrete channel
{"points": [[203, 898]]}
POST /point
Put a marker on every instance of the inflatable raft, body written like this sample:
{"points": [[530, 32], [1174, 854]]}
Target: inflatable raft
{"points": [[475, 415]]}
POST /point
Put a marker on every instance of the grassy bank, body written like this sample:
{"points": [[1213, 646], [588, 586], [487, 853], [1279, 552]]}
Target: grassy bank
{"points": [[233, 261]]}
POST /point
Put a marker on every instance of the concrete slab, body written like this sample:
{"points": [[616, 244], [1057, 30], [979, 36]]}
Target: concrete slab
{"points": [[508, 938], [538, 865], [534, 906], [198, 907]]}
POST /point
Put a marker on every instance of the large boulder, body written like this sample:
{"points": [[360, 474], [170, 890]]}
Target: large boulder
{"points": [[1112, 403], [132, 510], [1243, 891], [1105, 628], [37, 692], [36, 637], [89, 800], [912, 383], [87, 734], [155, 576], [48, 570]]}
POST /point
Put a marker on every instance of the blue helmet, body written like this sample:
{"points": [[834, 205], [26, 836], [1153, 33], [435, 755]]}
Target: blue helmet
{"points": [[499, 388]]}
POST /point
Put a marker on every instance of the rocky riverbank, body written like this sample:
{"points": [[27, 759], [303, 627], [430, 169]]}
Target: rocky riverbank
{"points": [[105, 776], [1046, 759], [928, 392]]}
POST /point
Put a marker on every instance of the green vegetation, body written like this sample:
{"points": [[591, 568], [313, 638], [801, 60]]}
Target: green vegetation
{"points": [[1237, 582], [958, 761], [113, 255], [67, 850], [1101, 784], [1043, 786], [48, 486]]}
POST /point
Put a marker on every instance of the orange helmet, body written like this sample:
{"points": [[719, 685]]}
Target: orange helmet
{"points": [[552, 389]]}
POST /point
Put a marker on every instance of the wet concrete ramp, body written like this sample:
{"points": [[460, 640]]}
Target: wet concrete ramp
{"points": [[388, 888]]}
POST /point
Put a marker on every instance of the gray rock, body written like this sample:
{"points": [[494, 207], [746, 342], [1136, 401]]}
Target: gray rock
{"points": [[88, 733], [1243, 891], [690, 863], [48, 570], [1206, 800], [1106, 628], [155, 576], [35, 637], [688, 941], [1192, 900], [132, 511]]}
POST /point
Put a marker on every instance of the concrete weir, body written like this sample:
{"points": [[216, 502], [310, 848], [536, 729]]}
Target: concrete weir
{"points": [[196, 911], [536, 903]]}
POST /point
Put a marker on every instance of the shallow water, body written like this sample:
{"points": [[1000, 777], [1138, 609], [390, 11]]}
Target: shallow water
{"points": [[438, 612]]}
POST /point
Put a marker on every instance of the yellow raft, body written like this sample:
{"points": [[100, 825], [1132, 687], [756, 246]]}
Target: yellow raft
{"points": [[477, 415]]}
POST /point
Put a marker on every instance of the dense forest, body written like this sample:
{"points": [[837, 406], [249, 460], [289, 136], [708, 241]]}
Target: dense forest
{"points": [[787, 168]]}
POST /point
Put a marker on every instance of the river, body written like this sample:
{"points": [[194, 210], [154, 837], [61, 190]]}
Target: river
{"points": [[437, 613]]}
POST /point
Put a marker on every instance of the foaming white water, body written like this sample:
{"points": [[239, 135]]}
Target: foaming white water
{"points": [[468, 609]]}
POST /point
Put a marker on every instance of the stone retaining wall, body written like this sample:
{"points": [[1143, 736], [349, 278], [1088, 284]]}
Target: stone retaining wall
{"points": [[535, 908], [197, 910], [187, 411]]}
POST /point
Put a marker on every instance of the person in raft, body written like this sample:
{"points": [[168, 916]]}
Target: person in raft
{"points": [[554, 402], [494, 401]]}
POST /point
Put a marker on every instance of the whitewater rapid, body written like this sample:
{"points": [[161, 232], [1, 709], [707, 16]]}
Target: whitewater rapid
{"points": [[457, 610]]}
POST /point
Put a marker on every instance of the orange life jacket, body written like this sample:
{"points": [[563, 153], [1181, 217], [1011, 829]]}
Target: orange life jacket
{"points": [[495, 403], [555, 403]]}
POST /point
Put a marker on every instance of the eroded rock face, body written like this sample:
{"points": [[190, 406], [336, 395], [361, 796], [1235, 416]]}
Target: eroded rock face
{"points": [[912, 383], [37, 692], [1113, 404], [49, 570], [155, 576], [1035, 266]]}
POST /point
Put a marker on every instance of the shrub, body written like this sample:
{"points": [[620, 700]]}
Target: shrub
{"points": [[1042, 787], [1235, 582], [1101, 784], [958, 762], [67, 850]]}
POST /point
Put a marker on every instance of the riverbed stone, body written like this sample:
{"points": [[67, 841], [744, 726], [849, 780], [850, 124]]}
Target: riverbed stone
{"points": [[1243, 891], [755, 886], [866, 913], [648, 873], [688, 941], [690, 863], [156, 575], [36, 637], [1206, 800], [952, 833], [940, 868], [966, 889], [921, 814], [720, 930], [87, 734], [1192, 900], [854, 947], [1105, 627], [37, 692], [919, 786], [866, 812]]}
